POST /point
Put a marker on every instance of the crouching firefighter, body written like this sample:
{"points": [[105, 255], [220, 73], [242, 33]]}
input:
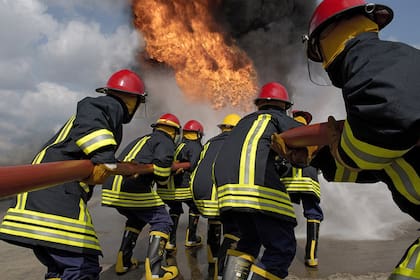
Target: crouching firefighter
{"points": [[136, 199]]}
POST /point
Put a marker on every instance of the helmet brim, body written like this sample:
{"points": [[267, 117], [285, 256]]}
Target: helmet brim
{"points": [[105, 90]]}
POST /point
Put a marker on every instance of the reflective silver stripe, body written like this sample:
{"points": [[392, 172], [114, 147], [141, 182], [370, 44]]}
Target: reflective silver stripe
{"points": [[136, 149], [68, 236], [126, 199], [413, 258], [239, 202], [365, 155], [161, 171], [88, 146], [10, 214], [261, 124], [258, 191], [402, 180]]}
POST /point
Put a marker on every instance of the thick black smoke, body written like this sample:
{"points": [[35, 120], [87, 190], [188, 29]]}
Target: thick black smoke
{"points": [[270, 31]]}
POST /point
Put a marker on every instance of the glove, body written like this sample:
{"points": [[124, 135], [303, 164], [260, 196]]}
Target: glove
{"points": [[334, 136], [298, 157], [100, 173], [179, 171]]}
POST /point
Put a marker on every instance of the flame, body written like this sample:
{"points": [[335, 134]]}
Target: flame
{"points": [[207, 64]]}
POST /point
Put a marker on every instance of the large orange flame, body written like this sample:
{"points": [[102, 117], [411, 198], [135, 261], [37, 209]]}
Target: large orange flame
{"points": [[208, 65]]}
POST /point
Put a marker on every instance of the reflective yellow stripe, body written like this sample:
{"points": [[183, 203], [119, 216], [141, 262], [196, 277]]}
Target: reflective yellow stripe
{"points": [[95, 140], [409, 267], [249, 148], [405, 179], [171, 184], [343, 174], [298, 183], [365, 155], [207, 207], [52, 228], [21, 198], [202, 154], [264, 273], [175, 194], [255, 197], [60, 137], [131, 155], [126, 199], [161, 171]]}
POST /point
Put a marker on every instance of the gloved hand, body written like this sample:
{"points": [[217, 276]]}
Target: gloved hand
{"points": [[100, 173], [298, 157], [179, 171], [334, 136]]}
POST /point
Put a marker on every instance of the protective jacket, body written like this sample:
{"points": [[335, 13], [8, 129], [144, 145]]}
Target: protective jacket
{"points": [[302, 180], [58, 217], [202, 181], [179, 184], [381, 88], [156, 148], [245, 172]]}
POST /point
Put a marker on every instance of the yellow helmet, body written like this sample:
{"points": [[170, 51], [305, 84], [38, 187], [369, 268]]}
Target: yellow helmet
{"points": [[230, 120]]}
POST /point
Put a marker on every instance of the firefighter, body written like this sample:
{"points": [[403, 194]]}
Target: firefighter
{"points": [[136, 199], [205, 197], [178, 190], [249, 189], [302, 185], [380, 87], [55, 222]]}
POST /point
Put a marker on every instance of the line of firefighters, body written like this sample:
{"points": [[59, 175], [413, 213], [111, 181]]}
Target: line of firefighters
{"points": [[56, 225], [245, 179]]}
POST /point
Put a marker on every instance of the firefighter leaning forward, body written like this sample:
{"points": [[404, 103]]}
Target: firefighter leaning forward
{"points": [[55, 222], [380, 87], [249, 187], [205, 197], [136, 198], [303, 186], [179, 191]]}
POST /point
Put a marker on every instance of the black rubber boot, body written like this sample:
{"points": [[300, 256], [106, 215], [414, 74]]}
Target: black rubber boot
{"points": [[155, 264], [125, 262], [171, 244], [312, 235], [191, 238], [238, 265], [214, 231], [229, 242]]}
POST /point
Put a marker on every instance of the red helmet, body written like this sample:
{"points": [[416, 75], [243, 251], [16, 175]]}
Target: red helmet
{"points": [[330, 10], [274, 91], [124, 81], [306, 115], [169, 120], [193, 125]]}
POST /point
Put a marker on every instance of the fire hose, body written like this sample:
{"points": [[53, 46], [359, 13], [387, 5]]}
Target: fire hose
{"points": [[22, 178]]}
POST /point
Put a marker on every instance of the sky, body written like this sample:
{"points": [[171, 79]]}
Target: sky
{"points": [[55, 52]]}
